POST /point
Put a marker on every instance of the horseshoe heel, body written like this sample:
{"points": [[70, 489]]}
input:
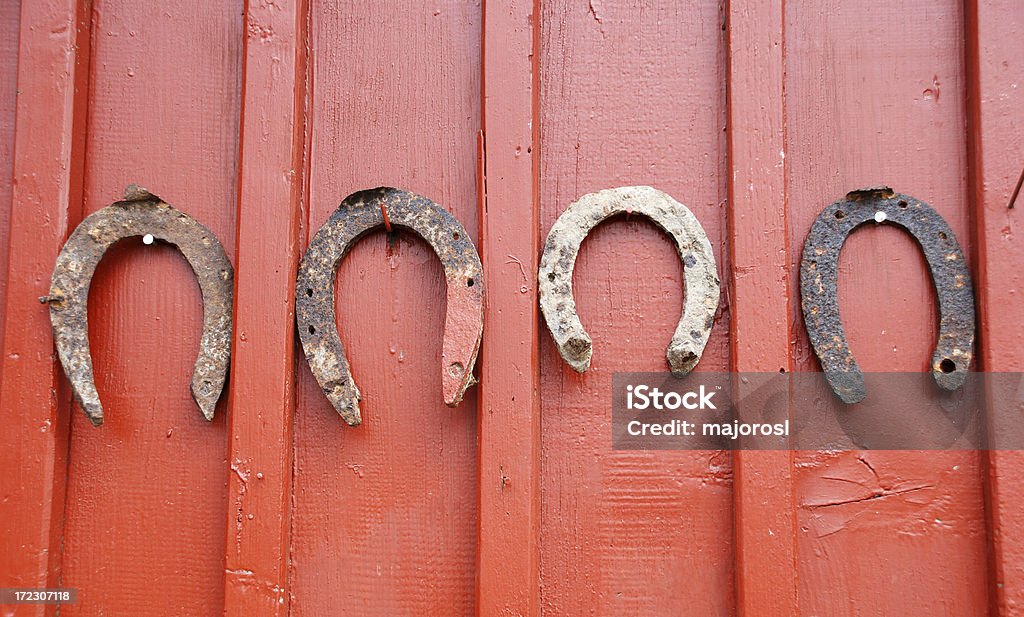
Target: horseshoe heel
{"points": [[314, 304], [699, 272], [140, 214], [819, 281]]}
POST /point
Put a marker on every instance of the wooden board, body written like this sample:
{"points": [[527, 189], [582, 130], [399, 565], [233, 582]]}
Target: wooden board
{"points": [[385, 515], [631, 95], [508, 579], [270, 212], [146, 492], [759, 290], [9, 23], [995, 49], [49, 124], [875, 94]]}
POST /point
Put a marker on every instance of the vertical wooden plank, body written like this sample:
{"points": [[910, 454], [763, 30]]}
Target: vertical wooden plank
{"points": [[53, 50], [507, 582], [759, 291], [10, 16], [385, 514], [146, 492], [632, 94], [875, 95], [270, 209], [995, 59]]}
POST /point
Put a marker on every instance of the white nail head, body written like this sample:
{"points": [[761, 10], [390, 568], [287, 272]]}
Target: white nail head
{"points": [[148, 238], [880, 216]]}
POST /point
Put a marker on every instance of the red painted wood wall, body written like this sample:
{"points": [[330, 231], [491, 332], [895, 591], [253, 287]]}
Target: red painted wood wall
{"points": [[258, 117]]}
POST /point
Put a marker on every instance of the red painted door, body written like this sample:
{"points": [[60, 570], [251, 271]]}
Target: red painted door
{"points": [[258, 118]]}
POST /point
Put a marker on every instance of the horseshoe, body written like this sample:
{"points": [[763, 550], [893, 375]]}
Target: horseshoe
{"points": [[140, 213], [360, 213], [699, 272], [819, 281]]}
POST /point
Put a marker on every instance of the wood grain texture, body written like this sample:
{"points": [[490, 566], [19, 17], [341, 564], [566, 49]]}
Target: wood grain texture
{"points": [[385, 514], [509, 467], [754, 114], [270, 210], [995, 55], [10, 15], [146, 493], [759, 287], [875, 95], [631, 93], [47, 182]]}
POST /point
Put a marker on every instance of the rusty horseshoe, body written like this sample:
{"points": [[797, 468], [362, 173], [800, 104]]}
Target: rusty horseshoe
{"points": [[140, 214], [819, 270], [699, 273], [314, 304]]}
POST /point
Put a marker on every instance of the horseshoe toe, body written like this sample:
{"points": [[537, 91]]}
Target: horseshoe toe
{"points": [[559, 260], [140, 214], [315, 297], [819, 272]]}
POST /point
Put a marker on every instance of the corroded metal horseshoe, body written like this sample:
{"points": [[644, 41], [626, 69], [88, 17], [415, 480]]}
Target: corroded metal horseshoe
{"points": [[699, 272], [140, 214], [314, 292], [819, 280]]}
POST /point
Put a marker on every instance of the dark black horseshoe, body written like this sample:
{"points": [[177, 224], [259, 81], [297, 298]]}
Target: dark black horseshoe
{"points": [[819, 286], [314, 293], [140, 214]]}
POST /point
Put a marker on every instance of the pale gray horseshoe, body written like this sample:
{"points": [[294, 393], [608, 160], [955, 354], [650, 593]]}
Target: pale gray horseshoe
{"points": [[699, 272], [819, 296], [140, 214], [314, 292]]}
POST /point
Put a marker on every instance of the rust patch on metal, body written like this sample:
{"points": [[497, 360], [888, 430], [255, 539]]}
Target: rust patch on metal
{"points": [[140, 214], [819, 270], [314, 293], [699, 272]]}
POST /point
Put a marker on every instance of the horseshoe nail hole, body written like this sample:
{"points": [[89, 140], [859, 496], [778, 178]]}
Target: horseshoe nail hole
{"points": [[943, 236], [903, 203], [148, 239], [470, 282], [312, 330], [455, 235], [947, 365], [840, 215], [551, 277], [455, 369], [309, 293]]}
